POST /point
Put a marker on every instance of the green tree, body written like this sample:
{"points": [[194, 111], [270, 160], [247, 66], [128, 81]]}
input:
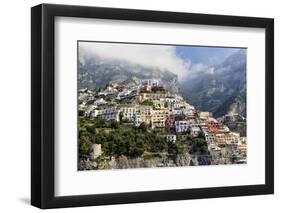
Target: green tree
{"points": [[121, 116], [91, 129], [175, 148], [114, 124], [100, 123], [81, 112], [199, 145], [84, 142], [143, 127]]}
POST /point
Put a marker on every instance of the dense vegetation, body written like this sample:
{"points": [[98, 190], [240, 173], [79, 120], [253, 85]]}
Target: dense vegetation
{"points": [[123, 138]]}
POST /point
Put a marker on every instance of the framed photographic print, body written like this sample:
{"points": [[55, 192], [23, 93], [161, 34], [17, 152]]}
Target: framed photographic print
{"points": [[139, 106]]}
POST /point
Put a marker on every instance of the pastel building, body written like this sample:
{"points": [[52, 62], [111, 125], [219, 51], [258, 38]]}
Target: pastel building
{"points": [[159, 118], [151, 82], [137, 119], [171, 138], [204, 115], [146, 113], [195, 131], [128, 111], [181, 126], [209, 137]]}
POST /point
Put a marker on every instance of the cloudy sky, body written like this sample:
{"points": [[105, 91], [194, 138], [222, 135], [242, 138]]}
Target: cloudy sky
{"points": [[181, 60]]}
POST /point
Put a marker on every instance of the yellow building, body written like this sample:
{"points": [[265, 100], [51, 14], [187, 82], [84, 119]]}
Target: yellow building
{"points": [[220, 138], [154, 95], [159, 118], [146, 113], [159, 104], [128, 111], [242, 148], [204, 115]]}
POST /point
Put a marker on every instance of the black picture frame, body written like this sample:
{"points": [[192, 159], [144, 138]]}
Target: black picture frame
{"points": [[43, 102]]}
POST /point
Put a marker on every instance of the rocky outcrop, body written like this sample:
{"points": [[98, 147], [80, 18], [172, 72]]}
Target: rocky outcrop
{"points": [[124, 162]]}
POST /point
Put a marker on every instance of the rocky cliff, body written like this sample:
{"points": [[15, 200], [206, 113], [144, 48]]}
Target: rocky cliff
{"points": [[221, 91]]}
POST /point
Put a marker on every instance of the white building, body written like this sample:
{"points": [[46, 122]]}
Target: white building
{"points": [[188, 111], [110, 90], [171, 100], [243, 140], [137, 119], [90, 108], [100, 101], [124, 92], [190, 107], [224, 129], [209, 137], [175, 105], [181, 126], [171, 138], [94, 113], [109, 113], [235, 137], [151, 82], [192, 124], [195, 131], [110, 116], [128, 111], [176, 112]]}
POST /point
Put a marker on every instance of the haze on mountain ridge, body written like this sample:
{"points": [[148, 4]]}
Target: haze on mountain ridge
{"points": [[217, 88]]}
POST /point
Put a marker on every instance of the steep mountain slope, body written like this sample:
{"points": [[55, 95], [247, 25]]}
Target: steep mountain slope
{"points": [[221, 91], [96, 73]]}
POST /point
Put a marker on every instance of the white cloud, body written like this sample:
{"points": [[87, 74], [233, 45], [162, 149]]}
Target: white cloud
{"points": [[155, 56], [193, 70]]}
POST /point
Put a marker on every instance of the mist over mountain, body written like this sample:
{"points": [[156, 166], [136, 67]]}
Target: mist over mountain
{"points": [[95, 73], [221, 88], [204, 76]]}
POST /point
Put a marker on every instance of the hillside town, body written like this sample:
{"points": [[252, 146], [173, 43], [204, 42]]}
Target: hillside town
{"points": [[149, 103]]}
